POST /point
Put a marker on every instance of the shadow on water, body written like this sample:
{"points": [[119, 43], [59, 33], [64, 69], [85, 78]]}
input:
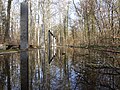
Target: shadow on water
{"points": [[60, 69]]}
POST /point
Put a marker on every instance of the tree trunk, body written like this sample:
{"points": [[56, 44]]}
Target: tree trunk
{"points": [[7, 25], [119, 14]]}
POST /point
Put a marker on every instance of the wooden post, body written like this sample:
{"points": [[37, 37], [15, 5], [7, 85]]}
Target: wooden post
{"points": [[51, 42], [49, 45], [24, 26]]}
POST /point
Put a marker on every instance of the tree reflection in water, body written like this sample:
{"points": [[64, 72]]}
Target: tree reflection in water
{"points": [[24, 71], [69, 69]]}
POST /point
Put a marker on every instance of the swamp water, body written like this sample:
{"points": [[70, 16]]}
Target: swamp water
{"points": [[60, 69]]}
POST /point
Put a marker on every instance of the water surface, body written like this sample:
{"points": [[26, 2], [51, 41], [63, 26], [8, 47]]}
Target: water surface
{"points": [[60, 69]]}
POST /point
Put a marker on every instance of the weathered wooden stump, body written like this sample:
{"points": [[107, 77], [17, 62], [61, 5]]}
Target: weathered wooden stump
{"points": [[24, 45], [24, 26]]}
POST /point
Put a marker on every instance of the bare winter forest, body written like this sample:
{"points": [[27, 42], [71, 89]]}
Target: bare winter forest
{"points": [[74, 22], [59, 44]]}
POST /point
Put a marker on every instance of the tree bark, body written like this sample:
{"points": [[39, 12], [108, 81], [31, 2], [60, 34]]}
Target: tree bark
{"points": [[7, 25], [119, 14]]}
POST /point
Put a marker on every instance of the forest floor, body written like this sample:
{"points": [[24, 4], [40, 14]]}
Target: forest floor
{"points": [[8, 51], [115, 49], [94, 47]]}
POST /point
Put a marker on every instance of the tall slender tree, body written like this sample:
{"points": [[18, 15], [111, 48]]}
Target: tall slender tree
{"points": [[7, 25]]}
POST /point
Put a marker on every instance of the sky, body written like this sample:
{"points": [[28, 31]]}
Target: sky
{"points": [[72, 14]]}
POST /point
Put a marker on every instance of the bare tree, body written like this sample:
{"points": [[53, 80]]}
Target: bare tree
{"points": [[7, 25]]}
